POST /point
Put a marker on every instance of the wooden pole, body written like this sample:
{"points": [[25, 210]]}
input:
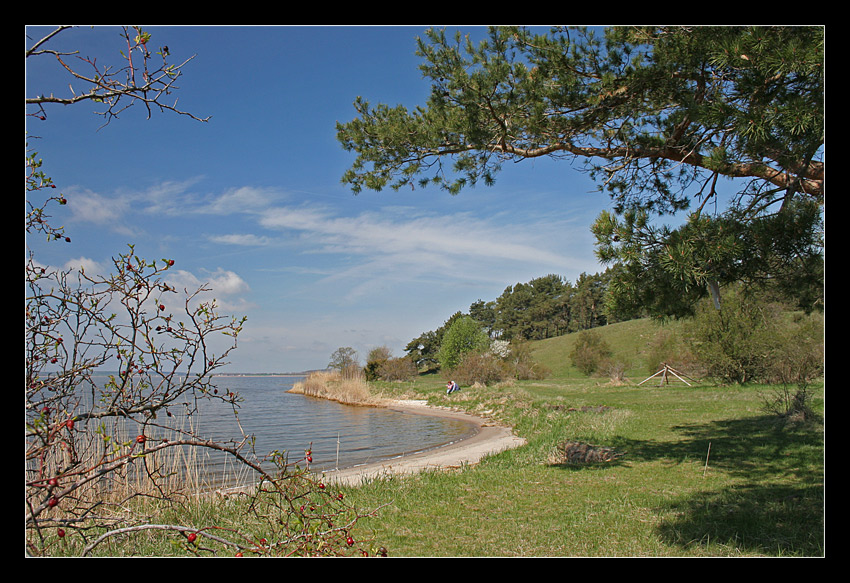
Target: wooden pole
{"points": [[664, 379]]}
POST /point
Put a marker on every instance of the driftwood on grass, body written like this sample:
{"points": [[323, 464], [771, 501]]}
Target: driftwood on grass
{"points": [[576, 452]]}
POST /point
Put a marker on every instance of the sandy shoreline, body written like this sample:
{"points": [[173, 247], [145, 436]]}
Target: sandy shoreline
{"points": [[486, 440]]}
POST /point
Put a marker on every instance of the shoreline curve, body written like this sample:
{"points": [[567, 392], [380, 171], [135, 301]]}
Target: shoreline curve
{"points": [[487, 439]]}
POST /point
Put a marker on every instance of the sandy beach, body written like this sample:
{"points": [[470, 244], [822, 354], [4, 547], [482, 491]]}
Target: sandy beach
{"points": [[487, 439]]}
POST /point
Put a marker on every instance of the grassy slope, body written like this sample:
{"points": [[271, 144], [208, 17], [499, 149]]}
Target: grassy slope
{"points": [[704, 472], [628, 341]]}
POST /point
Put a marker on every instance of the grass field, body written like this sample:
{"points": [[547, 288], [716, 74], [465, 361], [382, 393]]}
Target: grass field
{"points": [[699, 471]]}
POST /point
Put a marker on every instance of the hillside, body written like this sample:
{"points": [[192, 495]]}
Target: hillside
{"points": [[630, 342]]}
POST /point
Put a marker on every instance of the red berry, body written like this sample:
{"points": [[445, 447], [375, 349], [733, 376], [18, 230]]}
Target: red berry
{"points": [[53, 501], [191, 537], [53, 482], [60, 532], [350, 541], [141, 439], [239, 554], [69, 424], [310, 458], [162, 307]]}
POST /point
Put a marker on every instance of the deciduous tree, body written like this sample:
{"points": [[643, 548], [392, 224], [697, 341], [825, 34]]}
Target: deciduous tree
{"points": [[464, 336]]}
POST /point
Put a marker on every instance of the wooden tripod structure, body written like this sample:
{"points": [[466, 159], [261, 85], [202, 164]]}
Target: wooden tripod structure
{"points": [[665, 371]]}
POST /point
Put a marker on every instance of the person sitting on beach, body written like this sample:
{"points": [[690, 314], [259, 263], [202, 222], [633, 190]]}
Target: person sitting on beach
{"points": [[451, 387]]}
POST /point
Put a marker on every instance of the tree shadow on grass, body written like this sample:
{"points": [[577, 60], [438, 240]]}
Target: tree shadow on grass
{"points": [[775, 506], [764, 519]]}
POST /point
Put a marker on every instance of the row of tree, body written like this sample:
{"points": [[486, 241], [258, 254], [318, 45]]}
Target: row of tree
{"points": [[544, 307], [719, 125]]}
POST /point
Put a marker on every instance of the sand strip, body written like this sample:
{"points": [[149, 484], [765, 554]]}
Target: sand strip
{"points": [[488, 439]]}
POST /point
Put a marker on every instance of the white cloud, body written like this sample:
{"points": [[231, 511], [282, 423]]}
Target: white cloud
{"points": [[169, 197], [433, 243], [246, 240], [225, 287], [377, 252], [87, 206], [86, 264], [243, 199], [223, 281]]}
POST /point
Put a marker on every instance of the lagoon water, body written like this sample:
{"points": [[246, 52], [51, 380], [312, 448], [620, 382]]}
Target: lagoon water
{"points": [[339, 436]]}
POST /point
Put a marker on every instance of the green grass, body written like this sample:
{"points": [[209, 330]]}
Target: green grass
{"points": [[760, 493], [704, 472], [628, 341]]}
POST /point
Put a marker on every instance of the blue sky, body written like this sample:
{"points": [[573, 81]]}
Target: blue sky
{"points": [[251, 202]]}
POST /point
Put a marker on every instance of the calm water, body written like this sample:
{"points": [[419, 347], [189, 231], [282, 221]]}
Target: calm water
{"points": [[340, 436]]}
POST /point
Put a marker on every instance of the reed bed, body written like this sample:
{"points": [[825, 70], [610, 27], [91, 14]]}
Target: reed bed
{"points": [[180, 469], [347, 387]]}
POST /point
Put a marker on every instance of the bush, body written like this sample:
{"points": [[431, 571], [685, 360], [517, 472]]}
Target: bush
{"points": [[590, 352], [615, 370], [797, 361], [381, 365], [370, 371], [480, 367], [397, 369], [753, 340], [668, 347], [799, 357], [501, 361], [732, 342], [520, 363], [376, 358]]}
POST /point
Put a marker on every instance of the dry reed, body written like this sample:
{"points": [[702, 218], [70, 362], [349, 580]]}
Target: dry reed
{"points": [[177, 470], [349, 388]]}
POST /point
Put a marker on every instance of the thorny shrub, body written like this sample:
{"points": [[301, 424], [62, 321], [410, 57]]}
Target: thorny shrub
{"points": [[96, 450]]}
